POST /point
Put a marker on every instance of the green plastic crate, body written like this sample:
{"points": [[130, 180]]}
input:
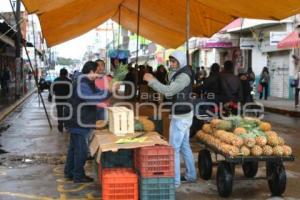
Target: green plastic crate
{"points": [[121, 158], [157, 189]]}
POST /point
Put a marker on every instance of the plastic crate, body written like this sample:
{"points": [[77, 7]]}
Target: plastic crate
{"points": [[119, 184], [157, 189], [121, 158], [155, 161]]}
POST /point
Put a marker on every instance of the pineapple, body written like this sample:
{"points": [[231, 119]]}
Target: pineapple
{"points": [[147, 123], [249, 142], [240, 131], [256, 150], [280, 141], [207, 128], [287, 150], [271, 133], [214, 122], [224, 125], [273, 140], [267, 150], [278, 151], [238, 142], [229, 149], [261, 141], [245, 151], [265, 126]]}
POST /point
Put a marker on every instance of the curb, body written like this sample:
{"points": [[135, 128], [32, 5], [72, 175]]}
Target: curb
{"points": [[12, 107], [282, 112]]}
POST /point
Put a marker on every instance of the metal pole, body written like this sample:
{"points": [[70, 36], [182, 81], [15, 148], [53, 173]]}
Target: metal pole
{"points": [[138, 31], [18, 49], [30, 64], [39, 94], [35, 56], [119, 31], [187, 31]]}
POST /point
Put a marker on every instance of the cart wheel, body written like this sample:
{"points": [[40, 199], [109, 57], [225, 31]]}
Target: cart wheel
{"points": [[205, 164], [250, 169], [276, 177], [224, 179]]}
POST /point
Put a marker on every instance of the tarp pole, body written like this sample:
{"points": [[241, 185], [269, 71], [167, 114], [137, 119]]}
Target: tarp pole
{"points": [[119, 31], [39, 93], [138, 32], [30, 64], [35, 56], [18, 60], [187, 31]]}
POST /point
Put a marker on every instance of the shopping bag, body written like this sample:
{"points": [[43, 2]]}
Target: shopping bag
{"points": [[259, 88]]}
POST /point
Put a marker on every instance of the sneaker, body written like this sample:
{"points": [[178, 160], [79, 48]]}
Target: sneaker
{"points": [[85, 179], [184, 180]]}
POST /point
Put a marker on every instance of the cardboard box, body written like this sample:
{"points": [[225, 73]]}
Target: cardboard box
{"points": [[103, 141]]}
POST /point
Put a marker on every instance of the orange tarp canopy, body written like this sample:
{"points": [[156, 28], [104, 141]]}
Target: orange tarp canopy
{"points": [[162, 21], [291, 41]]}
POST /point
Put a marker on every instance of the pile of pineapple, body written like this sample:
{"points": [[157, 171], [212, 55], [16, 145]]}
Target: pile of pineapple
{"points": [[238, 136]]}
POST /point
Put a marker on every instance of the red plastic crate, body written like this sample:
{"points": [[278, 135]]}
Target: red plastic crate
{"points": [[100, 173], [119, 184], [156, 161]]}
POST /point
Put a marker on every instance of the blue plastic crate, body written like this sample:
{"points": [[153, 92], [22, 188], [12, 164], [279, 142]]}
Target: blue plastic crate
{"points": [[157, 189], [121, 158]]}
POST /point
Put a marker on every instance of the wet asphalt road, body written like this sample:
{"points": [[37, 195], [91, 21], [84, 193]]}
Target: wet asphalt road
{"points": [[33, 166]]}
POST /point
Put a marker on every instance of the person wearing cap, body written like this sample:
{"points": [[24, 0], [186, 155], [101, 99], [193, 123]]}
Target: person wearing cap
{"points": [[178, 91]]}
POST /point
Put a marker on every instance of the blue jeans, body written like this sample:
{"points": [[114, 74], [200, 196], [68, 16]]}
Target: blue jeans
{"points": [[179, 139], [77, 155]]}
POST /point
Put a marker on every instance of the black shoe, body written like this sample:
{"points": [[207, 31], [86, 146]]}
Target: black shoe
{"points": [[60, 128], [68, 177], [85, 179], [184, 180], [90, 158]]}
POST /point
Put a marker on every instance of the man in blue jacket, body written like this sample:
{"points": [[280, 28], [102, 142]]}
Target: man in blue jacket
{"points": [[83, 102]]}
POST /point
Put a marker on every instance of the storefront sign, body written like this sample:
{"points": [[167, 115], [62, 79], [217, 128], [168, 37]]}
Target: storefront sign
{"points": [[247, 43], [276, 37], [218, 44]]}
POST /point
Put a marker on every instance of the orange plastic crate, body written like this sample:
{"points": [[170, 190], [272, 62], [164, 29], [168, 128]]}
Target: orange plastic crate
{"points": [[156, 161], [119, 184]]}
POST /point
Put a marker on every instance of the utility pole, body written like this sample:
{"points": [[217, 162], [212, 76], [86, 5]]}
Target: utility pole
{"points": [[18, 51]]}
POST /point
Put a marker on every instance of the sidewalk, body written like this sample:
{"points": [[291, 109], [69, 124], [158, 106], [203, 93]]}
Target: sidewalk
{"points": [[280, 106], [8, 102]]}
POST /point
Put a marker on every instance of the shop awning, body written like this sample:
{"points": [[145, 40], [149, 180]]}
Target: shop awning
{"points": [[290, 42], [162, 21]]}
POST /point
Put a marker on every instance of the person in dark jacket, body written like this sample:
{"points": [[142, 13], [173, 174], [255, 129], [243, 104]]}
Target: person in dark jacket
{"points": [[246, 79], [264, 81], [61, 90], [212, 85], [83, 118], [161, 74], [231, 89]]}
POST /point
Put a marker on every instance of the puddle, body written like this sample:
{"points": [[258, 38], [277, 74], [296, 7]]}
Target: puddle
{"points": [[4, 128], [2, 151]]}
